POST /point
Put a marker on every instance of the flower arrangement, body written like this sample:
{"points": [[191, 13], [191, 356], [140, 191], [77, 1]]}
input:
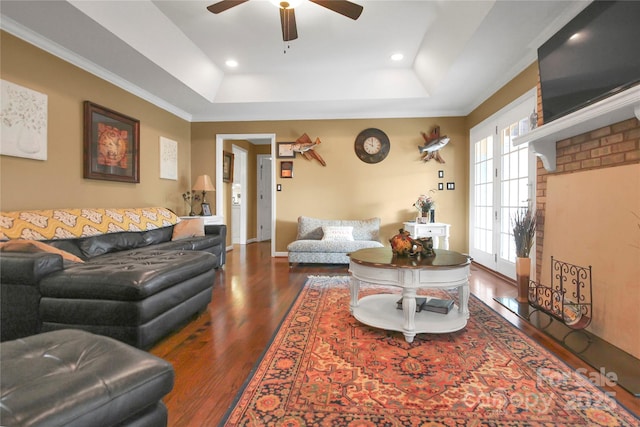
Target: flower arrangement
{"points": [[524, 231], [424, 203], [189, 198]]}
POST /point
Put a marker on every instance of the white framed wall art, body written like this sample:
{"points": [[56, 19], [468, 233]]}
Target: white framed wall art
{"points": [[23, 122], [168, 159]]}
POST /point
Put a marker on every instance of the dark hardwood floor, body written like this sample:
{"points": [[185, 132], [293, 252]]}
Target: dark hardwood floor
{"points": [[215, 353]]}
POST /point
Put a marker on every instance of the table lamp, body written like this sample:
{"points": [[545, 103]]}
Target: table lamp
{"points": [[203, 183]]}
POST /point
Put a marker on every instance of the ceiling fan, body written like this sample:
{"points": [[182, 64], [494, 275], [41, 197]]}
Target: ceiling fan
{"points": [[287, 14]]}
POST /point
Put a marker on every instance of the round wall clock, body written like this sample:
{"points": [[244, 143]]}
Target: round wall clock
{"points": [[372, 145]]}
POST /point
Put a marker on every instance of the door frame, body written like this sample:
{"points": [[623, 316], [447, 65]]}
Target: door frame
{"points": [[220, 204], [492, 123]]}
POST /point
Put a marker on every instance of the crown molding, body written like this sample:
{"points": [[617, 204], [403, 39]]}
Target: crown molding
{"points": [[14, 28]]}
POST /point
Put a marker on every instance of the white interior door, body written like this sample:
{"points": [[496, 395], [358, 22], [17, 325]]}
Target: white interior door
{"points": [[502, 180], [239, 211], [265, 163]]}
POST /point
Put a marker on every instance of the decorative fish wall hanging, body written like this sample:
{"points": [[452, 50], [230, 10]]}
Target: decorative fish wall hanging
{"points": [[433, 143], [305, 147]]}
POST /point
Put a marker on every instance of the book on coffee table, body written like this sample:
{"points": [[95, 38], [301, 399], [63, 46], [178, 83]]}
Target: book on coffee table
{"points": [[438, 305], [419, 304]]}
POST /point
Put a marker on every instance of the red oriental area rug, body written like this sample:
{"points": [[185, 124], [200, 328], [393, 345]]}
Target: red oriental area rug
{"points": [[324, 368]]}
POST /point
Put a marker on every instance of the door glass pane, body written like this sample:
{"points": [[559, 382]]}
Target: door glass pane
{"points": [[514, 185], [483, 192]]}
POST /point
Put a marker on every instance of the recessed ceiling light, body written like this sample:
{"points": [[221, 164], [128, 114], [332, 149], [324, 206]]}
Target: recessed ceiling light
{"points": [[397, 57], [231, 63]]}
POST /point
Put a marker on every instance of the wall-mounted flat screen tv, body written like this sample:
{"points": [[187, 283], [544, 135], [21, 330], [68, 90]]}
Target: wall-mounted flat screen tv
{"points": [[597, 54]]}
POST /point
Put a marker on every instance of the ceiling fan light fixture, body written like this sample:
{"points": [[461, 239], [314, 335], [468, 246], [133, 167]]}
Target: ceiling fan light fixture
{"points": [[285, 4]]}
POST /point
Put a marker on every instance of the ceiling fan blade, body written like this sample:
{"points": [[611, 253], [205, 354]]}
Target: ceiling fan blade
{"points": [[223, 5], [343, 7], [288, 21]]}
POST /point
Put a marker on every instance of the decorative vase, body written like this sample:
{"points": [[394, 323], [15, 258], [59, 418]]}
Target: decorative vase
{"points": [[401, 243], [523, 270], [432, 215], [29, 140]]}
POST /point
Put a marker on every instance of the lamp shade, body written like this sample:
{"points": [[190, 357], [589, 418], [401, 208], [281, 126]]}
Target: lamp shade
{"points": [[203, 183]]}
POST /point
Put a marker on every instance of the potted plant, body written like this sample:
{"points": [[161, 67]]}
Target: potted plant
{"points": [[524, 232], [425, 205]]}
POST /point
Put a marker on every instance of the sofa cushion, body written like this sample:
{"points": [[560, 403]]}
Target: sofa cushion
{"points": [[331, 246], [311, 228], [33, 246], [188, 228], [206, 243], [334, 232], [127, 275], [112, 242], [159, 235]]}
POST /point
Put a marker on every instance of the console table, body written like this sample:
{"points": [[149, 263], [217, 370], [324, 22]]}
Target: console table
{"points": [[378, 266], [208, 219], [436, 230]]}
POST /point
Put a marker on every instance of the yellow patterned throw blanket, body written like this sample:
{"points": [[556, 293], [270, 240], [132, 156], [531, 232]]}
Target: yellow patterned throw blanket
{"points": [[74, 223]]}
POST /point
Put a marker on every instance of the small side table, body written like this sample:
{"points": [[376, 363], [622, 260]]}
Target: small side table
{"points": [[437, 230], [208, 219]]}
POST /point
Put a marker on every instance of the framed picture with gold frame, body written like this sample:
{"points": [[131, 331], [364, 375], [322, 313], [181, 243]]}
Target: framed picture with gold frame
{"points": [[111, 145], [227, 166]]}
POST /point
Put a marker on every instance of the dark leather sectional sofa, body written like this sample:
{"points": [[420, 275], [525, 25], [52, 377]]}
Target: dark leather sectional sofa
{"points": [[134, 286], [71, 281]]}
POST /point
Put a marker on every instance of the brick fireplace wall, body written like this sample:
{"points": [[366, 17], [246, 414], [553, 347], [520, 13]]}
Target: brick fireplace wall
{"points": [[614, 145]]}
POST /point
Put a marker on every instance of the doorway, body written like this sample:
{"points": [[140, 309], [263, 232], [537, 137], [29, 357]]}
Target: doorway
{"points": [[222, 201], [502, 181], [239, 214]]}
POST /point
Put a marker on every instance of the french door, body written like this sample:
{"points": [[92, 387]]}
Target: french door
{"points": [[502, 180]]}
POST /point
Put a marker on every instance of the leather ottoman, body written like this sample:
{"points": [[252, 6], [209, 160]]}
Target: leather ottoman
{"points": [[137, 296], [74, 378]]}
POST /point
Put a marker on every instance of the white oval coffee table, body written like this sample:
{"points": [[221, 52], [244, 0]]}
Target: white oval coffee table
{"points": [[378, 266]]}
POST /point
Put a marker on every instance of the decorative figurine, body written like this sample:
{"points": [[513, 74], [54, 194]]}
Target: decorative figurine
{"points": [[304, 146], [533, 120], [432, 145], [401, 243]]}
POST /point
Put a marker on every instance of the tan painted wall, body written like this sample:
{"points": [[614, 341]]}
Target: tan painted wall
{"points": [[523, 82], [347, 187], [58, 182]]}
